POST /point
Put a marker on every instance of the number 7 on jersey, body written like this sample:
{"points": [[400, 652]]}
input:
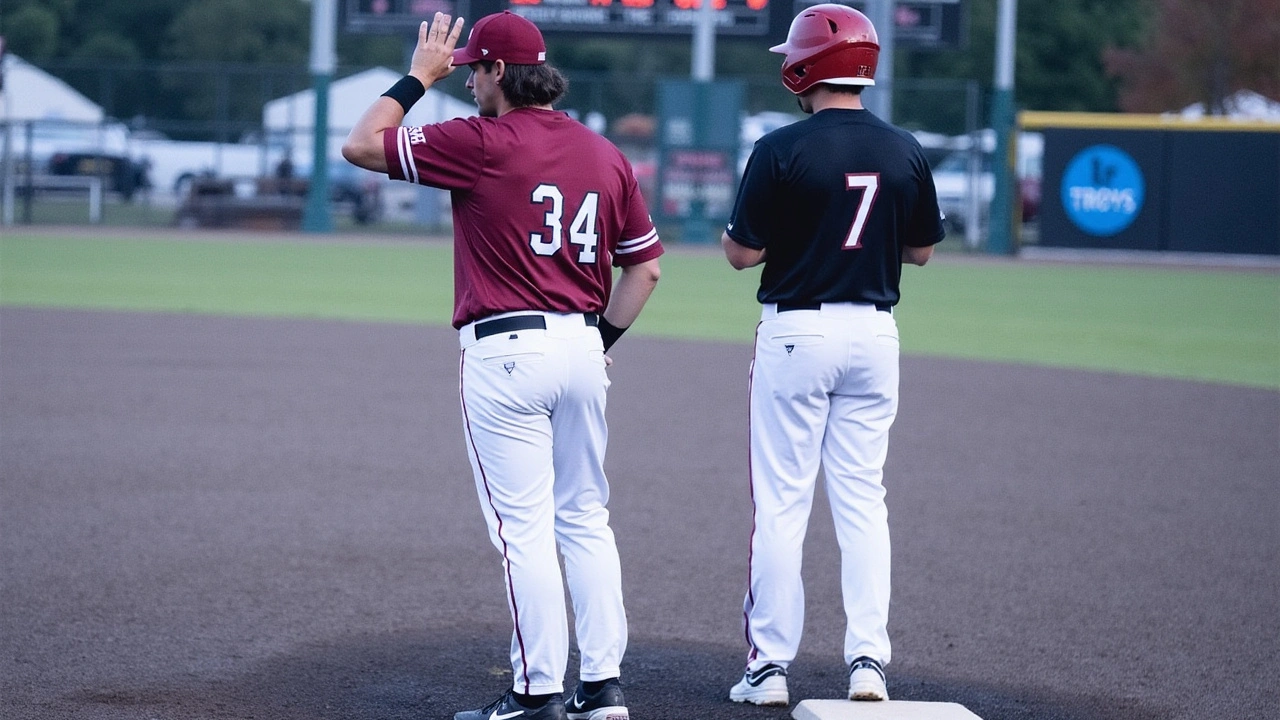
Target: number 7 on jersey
{"points": [[869, 184]]}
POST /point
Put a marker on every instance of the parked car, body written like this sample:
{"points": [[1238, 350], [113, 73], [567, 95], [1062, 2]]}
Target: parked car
{"points": [[119, 173], [357, 189], [1029, 197], [757, 126], [66, 148], [965, 180], [351, 189]]}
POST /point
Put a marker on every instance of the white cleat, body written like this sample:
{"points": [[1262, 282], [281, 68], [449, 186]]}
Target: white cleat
{"points": [[766, 686], [866, 680]]}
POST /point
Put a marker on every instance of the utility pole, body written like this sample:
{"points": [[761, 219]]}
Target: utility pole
{"points": [[316, 217], [697, 226], [1000, 236], [879, 99], [704, 43]]}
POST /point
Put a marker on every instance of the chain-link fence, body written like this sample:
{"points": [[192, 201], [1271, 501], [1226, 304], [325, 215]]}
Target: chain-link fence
{"points": [[175, 131]]}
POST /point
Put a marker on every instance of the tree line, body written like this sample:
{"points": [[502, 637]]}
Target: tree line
{"points": [[1074, 55]]}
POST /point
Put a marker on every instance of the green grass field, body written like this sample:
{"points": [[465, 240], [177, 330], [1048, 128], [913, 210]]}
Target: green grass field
{"points": [[1220, 326]]}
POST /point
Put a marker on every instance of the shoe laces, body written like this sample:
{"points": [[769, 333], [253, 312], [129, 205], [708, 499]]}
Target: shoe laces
{"points": [[866, 662], [767, 671], [496, 703]]}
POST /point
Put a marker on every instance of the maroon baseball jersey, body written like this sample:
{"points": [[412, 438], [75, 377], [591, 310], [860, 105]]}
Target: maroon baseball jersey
{"points": [[543, 207]]}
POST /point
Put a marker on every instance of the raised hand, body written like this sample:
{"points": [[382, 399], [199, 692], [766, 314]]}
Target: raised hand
{"points": [[433, 56]]}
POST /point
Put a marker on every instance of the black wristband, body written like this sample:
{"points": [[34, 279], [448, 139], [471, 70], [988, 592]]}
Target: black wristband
{"points": [[407, 91], [609, 332]]}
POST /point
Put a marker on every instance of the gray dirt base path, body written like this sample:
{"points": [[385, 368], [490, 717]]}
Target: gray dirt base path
{"points": [[249, 518]]}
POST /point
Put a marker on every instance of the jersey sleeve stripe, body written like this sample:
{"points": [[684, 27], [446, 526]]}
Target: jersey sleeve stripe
{"points": [[407, 167], [629, 246]]}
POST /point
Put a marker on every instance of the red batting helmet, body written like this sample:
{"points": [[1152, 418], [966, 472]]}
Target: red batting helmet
{"points": [[829, 44]]}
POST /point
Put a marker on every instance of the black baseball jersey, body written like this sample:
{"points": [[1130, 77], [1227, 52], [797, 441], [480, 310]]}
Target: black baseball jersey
{"points": [[833, 199]]}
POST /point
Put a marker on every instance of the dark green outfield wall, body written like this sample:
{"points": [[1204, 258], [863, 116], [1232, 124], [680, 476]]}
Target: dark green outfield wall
{"points": [[1207, 190]]}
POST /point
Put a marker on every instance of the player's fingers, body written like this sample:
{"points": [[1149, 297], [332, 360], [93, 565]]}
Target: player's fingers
{"points": [[455, 33], [423, 31], [442, 35]]}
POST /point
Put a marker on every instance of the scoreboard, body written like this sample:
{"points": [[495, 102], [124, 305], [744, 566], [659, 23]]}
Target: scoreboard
{"points": [[934, 23], [393, 16], [736, 17], [674, 17]]}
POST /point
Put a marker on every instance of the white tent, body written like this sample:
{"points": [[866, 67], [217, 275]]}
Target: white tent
{"points": [[1243, 105], [290, 118], [43, 115], [33, 94]]}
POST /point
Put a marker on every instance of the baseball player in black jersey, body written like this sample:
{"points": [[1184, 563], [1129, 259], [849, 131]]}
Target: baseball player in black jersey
{"points": [[832, 206]]}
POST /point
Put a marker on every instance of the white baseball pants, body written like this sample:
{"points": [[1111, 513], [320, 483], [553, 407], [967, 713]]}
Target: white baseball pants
{"points": [[824, 391], [533, 405]]}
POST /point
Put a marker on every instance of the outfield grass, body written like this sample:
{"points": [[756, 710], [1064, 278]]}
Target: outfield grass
{"points": [[1221, 326], [398, 283]]}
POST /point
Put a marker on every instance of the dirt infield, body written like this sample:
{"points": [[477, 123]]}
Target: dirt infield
{"points": [[233, 518]]}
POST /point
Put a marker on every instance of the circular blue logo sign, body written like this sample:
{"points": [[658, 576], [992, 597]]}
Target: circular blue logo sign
{"points": [[1102, 190]]}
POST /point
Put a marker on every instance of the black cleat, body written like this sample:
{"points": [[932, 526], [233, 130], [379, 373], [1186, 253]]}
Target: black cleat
{"points": [[606, 704], [506, 708]]}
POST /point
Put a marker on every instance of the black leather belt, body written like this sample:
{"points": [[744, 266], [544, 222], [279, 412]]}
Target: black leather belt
{"points": [[522, 322], [788, 307]]}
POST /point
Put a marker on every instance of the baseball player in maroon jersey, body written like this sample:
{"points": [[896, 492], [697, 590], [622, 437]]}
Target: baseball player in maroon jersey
{"points": [[832, 206], [543, 209]]}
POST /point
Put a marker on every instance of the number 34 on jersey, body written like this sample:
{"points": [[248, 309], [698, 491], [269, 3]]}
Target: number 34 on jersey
{"points": [[582, 230]]}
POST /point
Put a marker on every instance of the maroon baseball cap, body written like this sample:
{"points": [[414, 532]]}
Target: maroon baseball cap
{"points": [[503, 36]]}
